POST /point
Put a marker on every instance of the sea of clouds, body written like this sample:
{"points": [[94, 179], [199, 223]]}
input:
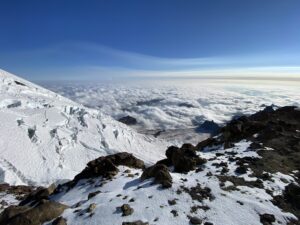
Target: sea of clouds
{"points": [[179, 104]]}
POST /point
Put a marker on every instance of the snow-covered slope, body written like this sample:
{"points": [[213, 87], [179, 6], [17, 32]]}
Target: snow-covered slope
{"points": [[46, 137]]}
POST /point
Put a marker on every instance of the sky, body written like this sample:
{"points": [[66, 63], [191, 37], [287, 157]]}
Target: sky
{"points": [[110, 39]]}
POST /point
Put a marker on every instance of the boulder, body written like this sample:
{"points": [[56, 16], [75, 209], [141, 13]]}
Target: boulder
{"points": [[195, 220], [24, 215], [160, 173], [267, 219], [184, 159], [126, 210]]}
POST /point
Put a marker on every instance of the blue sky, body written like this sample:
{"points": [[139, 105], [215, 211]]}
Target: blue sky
{"points": [[73, 39]]}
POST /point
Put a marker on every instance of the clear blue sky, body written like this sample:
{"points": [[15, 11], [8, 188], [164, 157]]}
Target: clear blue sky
{"points": [[73, 39]]}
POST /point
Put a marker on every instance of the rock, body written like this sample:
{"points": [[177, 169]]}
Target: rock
{"points": [[59, 221], [267, 219], [93, 194], [208, 223], [39, 194], [126, 210], [195, 220], [209, 127], [241, 169], [138, 222], [91, 208], [292, 195], [184, 159], [24, 215], [106, 166], [160, 173], [128, 120], [174, 212], [172, 202]]}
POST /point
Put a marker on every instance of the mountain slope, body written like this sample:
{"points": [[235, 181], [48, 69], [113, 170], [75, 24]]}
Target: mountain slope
{"points": [[46, 138]]}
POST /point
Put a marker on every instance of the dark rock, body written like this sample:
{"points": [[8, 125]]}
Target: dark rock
{"points": [[206, 143], [195, 220], [160, 173], [208, 223], [39, 194], [138, 222], [126, 210], [128, 120], [19, 83], [91, 208], [59, 221], [241, 169], [267, 219], [174, 212], [172, 202], [292, 195], [184, 159], [209, 127], [106, 166], [24, 215], [93, 194]]}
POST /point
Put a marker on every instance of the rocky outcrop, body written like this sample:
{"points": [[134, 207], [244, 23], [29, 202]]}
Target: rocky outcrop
{"points": [[184, 159], [25, 215], [160, 173], [107, 166]]}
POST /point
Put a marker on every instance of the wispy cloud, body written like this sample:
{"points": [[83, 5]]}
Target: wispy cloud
{"points": [[80, 60]]}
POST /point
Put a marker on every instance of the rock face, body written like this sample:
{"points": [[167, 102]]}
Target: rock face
{"points": [[128, 120], [25, 215], [107, 166], [160, 173]]}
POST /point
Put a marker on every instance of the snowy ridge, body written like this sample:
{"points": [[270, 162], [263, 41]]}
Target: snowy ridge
{"points": [[46, 138]]}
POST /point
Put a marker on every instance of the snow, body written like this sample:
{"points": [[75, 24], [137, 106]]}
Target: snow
{"points": [[47, 138], [232, 207]]}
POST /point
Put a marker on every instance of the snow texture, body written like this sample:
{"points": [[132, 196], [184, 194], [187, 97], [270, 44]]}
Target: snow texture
{"points": [[47, 138]]}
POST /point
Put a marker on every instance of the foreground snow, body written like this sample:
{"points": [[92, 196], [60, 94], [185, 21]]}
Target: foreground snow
{"points": [[46, 138], [228, 204]]}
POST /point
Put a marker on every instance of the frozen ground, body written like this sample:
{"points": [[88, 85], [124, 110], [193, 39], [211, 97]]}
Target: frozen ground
{"points": [[224, 204], [47, 138], [177, 107]]}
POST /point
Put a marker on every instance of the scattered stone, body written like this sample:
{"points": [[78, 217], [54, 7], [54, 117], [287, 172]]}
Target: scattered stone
{"points": [[126, 210], [91, 208], [267, 219], [174, 212], [195, 220], [172, 202], [138, 222]]}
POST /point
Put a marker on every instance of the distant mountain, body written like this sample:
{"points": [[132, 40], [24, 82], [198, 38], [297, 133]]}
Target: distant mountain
{"points": [[47, 138]]}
